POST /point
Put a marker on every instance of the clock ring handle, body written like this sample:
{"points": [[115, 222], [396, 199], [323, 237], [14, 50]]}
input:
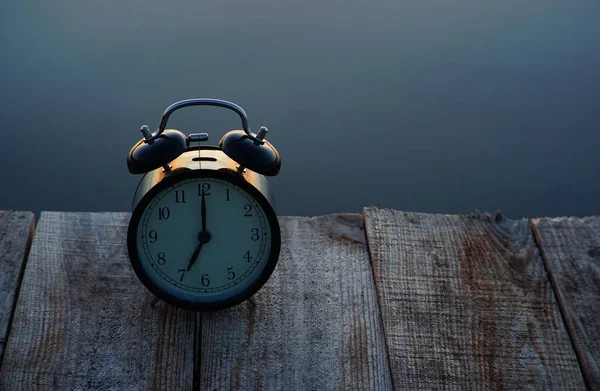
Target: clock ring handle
{"points": [[204, 102]]}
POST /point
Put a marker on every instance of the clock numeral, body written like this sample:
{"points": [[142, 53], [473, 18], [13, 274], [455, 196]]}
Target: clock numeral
{"points": [[153, 236], [182, 272], [161, 258], [247, 256], [227, 192], [255, 236], [230, 273], [179, 197], [205, 281], [248, 209], [203, 188], [164, 213]]}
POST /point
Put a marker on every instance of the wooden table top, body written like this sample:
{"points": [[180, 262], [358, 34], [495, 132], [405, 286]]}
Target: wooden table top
{"points": [[380, 300]]}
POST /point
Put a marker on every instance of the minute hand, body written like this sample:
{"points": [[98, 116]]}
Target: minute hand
{"points": [[203, 212], [203, 237]]}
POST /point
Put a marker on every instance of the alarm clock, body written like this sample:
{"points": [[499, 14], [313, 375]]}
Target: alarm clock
{"points": [[203, 234]]}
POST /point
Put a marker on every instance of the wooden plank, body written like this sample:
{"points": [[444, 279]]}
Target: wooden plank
{"points": [[16, 233], [83, 319], [571, 249], [317, 325], [467, 304]]}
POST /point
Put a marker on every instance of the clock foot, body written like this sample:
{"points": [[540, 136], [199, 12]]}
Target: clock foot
{"points": [[154, 302], [253, 301]]}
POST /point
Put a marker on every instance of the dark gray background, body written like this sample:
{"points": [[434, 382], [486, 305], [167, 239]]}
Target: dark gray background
{"points": [[432, 106]]}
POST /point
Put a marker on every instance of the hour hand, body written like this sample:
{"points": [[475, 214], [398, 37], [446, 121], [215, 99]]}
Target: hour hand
{"points": [[203, 238], [195, 256]]}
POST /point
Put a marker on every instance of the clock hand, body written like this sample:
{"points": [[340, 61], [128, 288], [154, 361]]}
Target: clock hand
{"points": [[203, 238], [195, 255], [203, 211]]}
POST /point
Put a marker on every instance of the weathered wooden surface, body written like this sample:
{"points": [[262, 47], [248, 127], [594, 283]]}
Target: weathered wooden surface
{"points": [[16, 232], [571, 250], [83, 319], [467, 304], [317, 324], [446, 302]]}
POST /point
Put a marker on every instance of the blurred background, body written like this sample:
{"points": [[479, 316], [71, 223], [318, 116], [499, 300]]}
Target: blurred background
{"points": [[418, 105]]}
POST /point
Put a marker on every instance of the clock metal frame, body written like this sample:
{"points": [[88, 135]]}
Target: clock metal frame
{"points": [[203, 162]]}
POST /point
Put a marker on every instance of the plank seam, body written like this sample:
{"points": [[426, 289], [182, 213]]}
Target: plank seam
{"points": [[561, 307], [18, 287], [378, 297], [197, 352]]}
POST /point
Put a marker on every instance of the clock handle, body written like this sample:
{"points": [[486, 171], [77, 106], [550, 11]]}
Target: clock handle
{"points": [[204, 102]]}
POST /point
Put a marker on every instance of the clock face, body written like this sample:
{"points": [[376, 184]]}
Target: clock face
{"points": [[204, 240]]}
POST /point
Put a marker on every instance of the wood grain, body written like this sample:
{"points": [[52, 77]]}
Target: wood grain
{"points": [[571, 249], [16, 233], [317, 325], [467, 304], [83, 319]]}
